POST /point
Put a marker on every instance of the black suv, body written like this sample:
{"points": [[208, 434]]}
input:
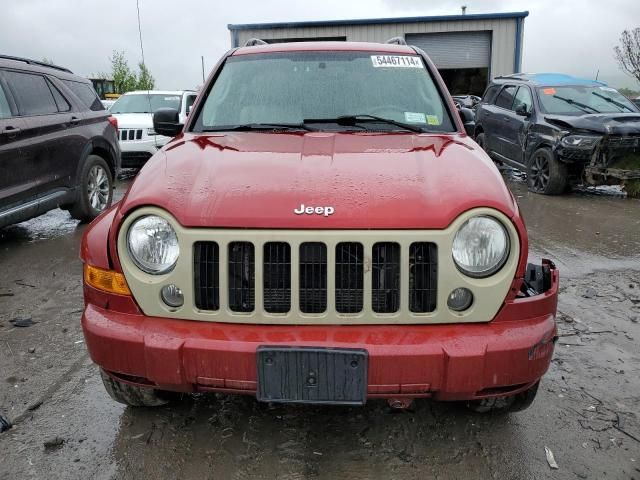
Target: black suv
{"points": [[58, 145], [562, 130]]}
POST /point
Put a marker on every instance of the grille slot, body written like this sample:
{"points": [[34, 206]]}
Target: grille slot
{"points": [[423, 277], [349, 277], [277, 277], [385, 280], [206, 271], [126, 134], [313, 277], [241, 277]]}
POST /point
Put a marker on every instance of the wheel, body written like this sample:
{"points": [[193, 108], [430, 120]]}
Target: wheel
{"points": [[95, 190], [546, 174], [130, 394], [513, 403]]}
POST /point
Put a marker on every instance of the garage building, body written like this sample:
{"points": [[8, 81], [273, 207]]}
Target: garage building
{"points": [[468, 50]]}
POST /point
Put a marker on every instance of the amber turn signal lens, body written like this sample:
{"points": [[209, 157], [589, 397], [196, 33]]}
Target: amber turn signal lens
{"points": [[106, 280]]}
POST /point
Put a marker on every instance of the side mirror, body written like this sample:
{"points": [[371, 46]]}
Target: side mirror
{"points": [[522, 110], [166, 122]]}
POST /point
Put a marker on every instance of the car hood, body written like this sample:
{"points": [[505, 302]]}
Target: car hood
{"points": [[370, 180], [605, 123], [134, 120]]}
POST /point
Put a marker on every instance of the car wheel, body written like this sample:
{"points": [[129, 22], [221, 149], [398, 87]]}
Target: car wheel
{"points": [[130, 394], [546, 174], [95, 190], [513, 403]]}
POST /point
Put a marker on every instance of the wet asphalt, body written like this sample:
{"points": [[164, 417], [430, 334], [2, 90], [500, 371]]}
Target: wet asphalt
{"points": [[587, 411]]}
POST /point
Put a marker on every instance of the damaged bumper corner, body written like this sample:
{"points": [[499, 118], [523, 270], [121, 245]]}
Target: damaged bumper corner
{"points": [[615, 160]]}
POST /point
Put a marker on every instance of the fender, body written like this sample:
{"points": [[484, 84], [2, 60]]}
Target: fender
{"points": [[94, 143], [94, 247], [538, 137]]}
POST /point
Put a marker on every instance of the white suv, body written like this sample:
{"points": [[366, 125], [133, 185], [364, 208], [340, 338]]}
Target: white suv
{"points": [[134, 111]]}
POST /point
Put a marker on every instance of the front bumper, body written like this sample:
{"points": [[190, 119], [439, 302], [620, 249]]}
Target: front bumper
{"points": [[446, 362]]}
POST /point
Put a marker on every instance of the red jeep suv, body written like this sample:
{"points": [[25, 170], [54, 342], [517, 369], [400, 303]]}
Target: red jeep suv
{"points": [[320, 230]]}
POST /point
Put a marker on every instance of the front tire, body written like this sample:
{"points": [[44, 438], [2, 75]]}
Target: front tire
{"points": [[130, 394], [546, 174], [513, 403], [95, 190]]}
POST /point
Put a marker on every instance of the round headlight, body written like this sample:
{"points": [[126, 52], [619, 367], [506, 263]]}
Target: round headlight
{"points": [[153, 244], [480, 247]]}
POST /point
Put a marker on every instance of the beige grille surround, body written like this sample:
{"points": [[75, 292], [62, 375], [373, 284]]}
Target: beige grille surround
{"points": [[489, 293]]}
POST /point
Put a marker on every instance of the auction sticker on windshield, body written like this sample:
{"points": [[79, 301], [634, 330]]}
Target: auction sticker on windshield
{"points": [[396, 61], [413, 117]]}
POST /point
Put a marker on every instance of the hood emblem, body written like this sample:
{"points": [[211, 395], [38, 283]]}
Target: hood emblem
{"points": [[309, 210]]}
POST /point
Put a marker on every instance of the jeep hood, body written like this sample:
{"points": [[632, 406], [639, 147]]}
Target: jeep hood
{"points": [[371, 180], [604, 123]]}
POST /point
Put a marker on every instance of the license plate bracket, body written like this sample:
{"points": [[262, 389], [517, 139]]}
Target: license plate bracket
{"points": [[331, 376]]}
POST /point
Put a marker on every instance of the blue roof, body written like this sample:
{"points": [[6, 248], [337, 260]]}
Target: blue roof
{"points": [[554, 79], [373, 21]]}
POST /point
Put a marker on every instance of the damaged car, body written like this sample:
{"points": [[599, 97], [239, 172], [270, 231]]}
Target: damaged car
{"points": [[562, 130], [320, 230]]}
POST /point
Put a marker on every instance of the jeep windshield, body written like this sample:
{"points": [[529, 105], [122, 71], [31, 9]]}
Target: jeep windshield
{"points": [[580, 100], [145, 103], [378, 92]]}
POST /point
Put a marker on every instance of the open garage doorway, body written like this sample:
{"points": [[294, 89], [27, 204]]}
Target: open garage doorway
{"points": [[463, 58], [465, 81]]}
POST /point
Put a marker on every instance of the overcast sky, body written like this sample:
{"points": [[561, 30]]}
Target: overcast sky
{"points": [[572, 37]]}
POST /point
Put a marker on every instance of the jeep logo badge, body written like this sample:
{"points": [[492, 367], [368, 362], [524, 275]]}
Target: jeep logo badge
{"points": [[308, 210]]}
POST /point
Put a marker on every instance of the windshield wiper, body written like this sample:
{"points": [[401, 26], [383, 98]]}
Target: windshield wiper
{"points": [[582, 106], [353, 120], [248, 127], [611, 100]]}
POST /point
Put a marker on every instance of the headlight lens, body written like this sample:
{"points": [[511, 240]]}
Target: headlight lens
{"points": [[153, 244], [480, 247], [582, 141]]}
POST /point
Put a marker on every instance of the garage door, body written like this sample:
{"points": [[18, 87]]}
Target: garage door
{"points": [[455, 49]]}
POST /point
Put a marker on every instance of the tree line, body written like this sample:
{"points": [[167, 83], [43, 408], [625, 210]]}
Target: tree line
{"points": [[125, 79]]}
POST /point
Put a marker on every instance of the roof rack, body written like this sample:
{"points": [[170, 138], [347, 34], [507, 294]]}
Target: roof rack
{"points": [[252, 42], [397, 41], [35, 62]]}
